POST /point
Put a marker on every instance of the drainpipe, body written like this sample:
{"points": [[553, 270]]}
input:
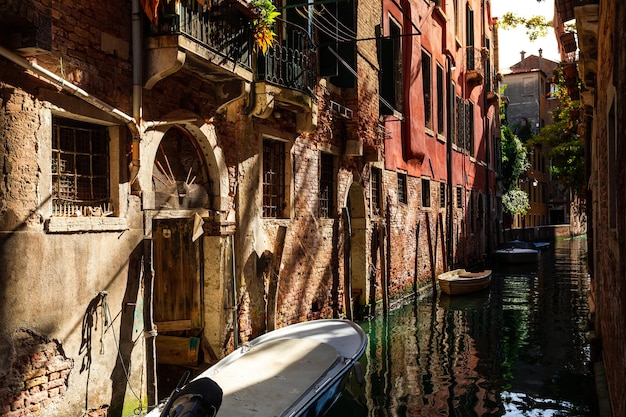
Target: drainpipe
{"points": [[137, 93], [67, 86]]}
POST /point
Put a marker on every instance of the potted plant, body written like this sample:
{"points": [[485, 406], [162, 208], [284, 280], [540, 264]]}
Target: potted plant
{"points": [[264, 35]]}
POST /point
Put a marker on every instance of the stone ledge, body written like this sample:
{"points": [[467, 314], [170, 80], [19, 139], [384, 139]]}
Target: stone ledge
{"points": [[85, 224]]}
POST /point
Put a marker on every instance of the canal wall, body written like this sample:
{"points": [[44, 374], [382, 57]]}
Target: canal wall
{"points": [[548, 233]]}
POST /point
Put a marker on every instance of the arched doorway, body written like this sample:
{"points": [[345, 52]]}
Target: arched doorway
{"points": [[357, 282], [185, 182]]}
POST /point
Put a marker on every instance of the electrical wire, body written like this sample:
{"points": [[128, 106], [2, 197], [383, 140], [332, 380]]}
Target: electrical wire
{"points": [[325, 25], [319, 26], [350, 32], [105, 306]]}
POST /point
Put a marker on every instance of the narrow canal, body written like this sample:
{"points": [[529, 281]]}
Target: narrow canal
{"points": [[516, 349]]}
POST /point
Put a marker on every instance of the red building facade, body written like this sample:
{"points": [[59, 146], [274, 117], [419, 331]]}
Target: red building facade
{"points": [[443, 129]]}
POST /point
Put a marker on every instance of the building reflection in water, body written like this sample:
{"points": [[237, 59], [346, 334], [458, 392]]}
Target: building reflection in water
{"points": [[516, 349]]}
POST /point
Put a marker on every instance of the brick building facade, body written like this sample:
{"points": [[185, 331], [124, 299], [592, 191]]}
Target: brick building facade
{"points": [[600, 69], [169, 191]]}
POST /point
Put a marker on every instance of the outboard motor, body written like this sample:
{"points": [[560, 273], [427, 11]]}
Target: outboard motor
{"points": [[202, 397]]}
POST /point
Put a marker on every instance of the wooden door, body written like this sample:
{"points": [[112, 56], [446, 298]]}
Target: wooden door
{"points": [[177, 282]]}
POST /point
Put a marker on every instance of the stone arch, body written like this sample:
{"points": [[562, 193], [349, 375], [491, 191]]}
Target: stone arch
{"points": [[204, 136], [358, 246]]}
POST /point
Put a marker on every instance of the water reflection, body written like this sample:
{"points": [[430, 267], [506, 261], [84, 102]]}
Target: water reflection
{"points": [[516, 349]]}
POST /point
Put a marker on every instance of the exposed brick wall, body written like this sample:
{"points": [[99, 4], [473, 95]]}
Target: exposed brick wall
{"points": [[38, 376], [608, 279], [18, 166]]}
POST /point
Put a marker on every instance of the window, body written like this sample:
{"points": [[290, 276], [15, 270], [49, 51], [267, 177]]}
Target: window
{"points": [[442, 195], [472, 212], [391, 88], [457, 17], [327, 185], [469, 35], [528, 86], [459, 197], [440, 100], [376, 189], [274, 181], [465, 125], [425, 192], [459, 138], [488, 84], [469, 141], [402, 188], [80, 168], [339, 17], [426, 88]]}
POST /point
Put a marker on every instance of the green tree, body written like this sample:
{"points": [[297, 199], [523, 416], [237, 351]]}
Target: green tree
{"points": [[514, 158], [515, 201], [514, 163], [536, 26], [565, 147]]}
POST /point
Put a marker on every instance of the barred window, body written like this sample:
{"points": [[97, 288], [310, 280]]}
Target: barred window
{"points": [[459, 197], [274, 182], [376, 184], [402, 188], [327, 185], [80, 168], [425, 192], [442, 195]]}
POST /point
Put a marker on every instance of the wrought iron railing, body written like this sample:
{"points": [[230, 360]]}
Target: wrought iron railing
{"points": [[222, 28], [291, 62]]}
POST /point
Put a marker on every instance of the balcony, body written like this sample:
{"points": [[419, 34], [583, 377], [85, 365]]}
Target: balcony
{"points": [[217, 44], [566, 8], [213, 42], [286, 75], [475, 65], [587, 27]]}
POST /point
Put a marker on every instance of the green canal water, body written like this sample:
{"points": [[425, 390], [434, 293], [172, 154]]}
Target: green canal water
{"points": [[518, 348]]}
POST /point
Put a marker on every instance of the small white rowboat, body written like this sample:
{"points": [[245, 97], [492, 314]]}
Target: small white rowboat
{"points": [[461, 281]]}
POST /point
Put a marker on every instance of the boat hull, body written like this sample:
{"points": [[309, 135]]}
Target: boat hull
{"points": [[460, 281], [517, 252], [518, 256], [297, 370]]}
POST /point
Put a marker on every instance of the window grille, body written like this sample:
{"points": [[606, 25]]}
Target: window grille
{"points": [[442, 195], [327, 185], [402, 188], [80, 169], [376, 184], [425, 192], [274, 193]]}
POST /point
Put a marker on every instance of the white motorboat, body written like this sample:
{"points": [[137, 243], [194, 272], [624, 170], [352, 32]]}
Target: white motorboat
{"points": [[297, 370], [516, 252]]}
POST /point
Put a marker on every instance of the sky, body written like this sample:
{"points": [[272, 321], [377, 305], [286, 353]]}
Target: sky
{"points": [[513, 41]]}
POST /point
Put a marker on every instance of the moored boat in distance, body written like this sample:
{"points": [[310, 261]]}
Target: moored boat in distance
{"points": [[461, 281], [298, 370], [517, 251]]}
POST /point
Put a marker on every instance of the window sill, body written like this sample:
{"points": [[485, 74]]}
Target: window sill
{"points": [[85, 224]]}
